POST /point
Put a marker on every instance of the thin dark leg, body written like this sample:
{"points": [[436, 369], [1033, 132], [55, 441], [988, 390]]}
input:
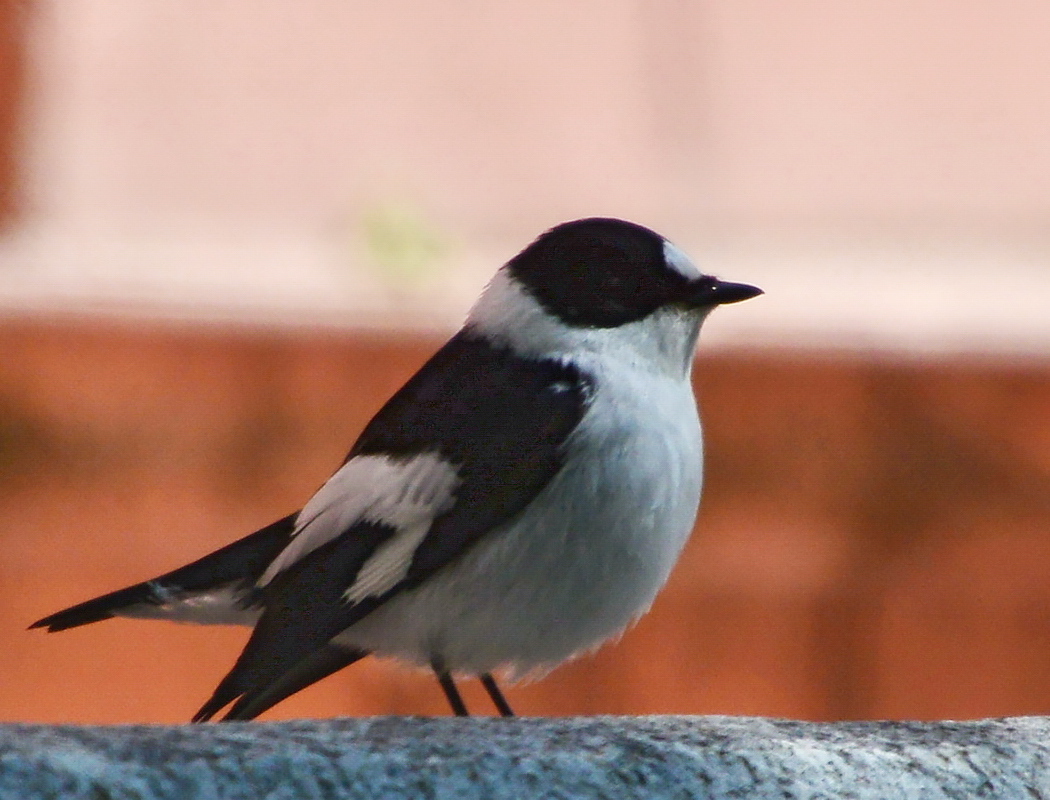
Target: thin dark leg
{"points": [[459, 708], [497, 696]]}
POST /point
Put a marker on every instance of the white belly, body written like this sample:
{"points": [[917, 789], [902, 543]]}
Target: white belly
{"points": [[580, 563]]}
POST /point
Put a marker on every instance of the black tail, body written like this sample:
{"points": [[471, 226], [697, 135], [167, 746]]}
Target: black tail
{"points": [[245, 560], [100, 608]]}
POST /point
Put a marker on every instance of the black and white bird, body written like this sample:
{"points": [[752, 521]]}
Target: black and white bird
{"points": [[519, 501]]}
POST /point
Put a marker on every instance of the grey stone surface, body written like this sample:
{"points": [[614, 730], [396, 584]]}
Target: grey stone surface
{"points": [[579, 757]]}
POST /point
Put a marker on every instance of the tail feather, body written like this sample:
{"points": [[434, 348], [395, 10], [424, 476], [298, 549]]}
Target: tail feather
{"points": [[242, 561], [98, 609]]}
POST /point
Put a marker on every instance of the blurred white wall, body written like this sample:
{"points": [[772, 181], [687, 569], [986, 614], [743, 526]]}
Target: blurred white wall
{"points": [[881, 168]]}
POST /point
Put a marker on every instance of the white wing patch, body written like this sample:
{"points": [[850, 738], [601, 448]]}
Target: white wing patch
{"points": [[389, 563], [405, 494]]}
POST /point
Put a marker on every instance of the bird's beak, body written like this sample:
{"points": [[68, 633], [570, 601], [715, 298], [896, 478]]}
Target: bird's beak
{"points": [[713, 292]]}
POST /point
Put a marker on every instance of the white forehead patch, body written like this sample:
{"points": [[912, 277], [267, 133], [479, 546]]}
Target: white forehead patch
{"points": [[679, 261]]}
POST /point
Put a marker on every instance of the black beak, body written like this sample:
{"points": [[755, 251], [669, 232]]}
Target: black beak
{"points": [[712, 292]]}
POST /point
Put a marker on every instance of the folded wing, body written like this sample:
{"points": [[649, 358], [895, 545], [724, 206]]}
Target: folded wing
{"points": [[464, 446]]}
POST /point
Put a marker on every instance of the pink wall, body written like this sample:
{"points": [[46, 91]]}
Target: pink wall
{"points": [[226, 155]]}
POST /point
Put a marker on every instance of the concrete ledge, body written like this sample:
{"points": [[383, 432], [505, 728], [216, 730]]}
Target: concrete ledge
{"points": [[581, 757]]}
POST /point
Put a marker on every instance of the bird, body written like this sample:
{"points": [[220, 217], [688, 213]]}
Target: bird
{"points": [[518, 502]]}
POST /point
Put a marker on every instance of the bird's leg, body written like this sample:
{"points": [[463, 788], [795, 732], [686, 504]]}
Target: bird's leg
{"points": [[448, 686], [498, 699]]}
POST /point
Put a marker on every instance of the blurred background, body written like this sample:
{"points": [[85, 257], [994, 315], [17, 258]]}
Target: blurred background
{"points": [[232, 228]]}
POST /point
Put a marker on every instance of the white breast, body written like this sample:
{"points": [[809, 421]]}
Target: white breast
{"points": [[584, 560]]}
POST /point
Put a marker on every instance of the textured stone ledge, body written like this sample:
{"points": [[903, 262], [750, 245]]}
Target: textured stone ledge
{"points": [[581, 757]]}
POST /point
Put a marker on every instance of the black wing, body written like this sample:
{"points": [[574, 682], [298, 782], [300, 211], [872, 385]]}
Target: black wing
{"points": [[498, 418]]}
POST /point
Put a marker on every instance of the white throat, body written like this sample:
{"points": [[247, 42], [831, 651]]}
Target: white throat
{"points": [[663, 342]]}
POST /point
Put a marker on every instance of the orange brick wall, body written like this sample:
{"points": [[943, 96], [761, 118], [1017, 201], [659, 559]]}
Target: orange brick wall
{"points": [[12, 84], [873, 540]]}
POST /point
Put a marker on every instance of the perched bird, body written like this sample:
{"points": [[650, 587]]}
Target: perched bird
{"points": [[520, 500]]}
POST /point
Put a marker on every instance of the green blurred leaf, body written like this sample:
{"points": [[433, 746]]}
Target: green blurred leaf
{"points": [[402, 244]]}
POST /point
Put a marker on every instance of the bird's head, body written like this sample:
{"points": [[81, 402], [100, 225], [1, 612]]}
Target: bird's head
{"points": [[587, 276], [602, 273]]}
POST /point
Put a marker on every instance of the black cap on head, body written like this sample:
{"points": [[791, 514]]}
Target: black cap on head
{"points": [[598, 273], [603, 272]]}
